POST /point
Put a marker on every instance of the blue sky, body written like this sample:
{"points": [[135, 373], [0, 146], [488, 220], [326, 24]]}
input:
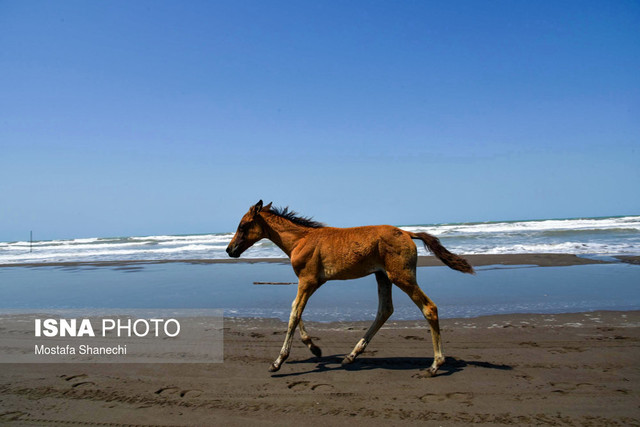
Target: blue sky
{"points": [[138, 118]]}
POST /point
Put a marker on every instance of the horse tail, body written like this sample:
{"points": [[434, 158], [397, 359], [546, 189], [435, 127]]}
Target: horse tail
{"points": [[453, 261]]}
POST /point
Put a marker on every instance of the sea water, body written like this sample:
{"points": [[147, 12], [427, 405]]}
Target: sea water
{"points": [[513, 289], [582, 236]]}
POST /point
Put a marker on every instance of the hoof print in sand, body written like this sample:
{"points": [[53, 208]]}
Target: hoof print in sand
{"points": [[76, 382], [176, 391], [190, 393], [566, 387], [457, 396], [73, 377], [83, 384], [167, 390], [12, 416], [307, 385]]}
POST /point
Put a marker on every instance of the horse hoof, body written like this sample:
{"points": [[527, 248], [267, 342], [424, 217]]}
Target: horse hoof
{"points": [[316, 351], [273, 368], [431, 372], [348, 360]]}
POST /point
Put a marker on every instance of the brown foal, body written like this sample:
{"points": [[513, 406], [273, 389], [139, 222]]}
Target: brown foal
{"points": [[319, 253]]}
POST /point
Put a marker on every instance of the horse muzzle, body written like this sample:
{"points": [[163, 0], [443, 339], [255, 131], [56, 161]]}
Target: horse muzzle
{"points": [[233, 252]]}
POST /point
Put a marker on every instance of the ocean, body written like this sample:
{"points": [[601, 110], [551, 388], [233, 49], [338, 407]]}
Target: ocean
{"points": [[503, 290], [580, 236], [31, 281]]}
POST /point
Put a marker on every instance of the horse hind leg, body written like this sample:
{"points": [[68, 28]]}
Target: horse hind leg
{"points": [[429, 310], [306, 339], [385, 309]]}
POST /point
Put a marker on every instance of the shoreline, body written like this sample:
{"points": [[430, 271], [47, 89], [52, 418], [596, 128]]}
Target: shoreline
{"points": [[524, 369], [476, 260]]}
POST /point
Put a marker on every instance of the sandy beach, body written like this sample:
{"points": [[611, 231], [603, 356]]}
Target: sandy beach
{"points": [[537, 369]]}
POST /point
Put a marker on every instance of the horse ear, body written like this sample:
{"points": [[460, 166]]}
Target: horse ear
{"points": [[268, 207], [257, 207]]}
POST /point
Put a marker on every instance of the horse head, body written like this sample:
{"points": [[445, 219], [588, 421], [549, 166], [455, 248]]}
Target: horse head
{"points": [[250, 230]]}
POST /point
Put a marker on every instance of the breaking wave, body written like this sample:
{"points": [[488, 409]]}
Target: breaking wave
{"points": [[581, 236]]}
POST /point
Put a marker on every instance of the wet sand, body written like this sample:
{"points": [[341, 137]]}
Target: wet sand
{"points": [[562, 369]]}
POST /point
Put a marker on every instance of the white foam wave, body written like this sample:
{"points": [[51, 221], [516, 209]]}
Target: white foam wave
{"points": [[578, 236], [577, 248], [188, 238], [632, 222]]}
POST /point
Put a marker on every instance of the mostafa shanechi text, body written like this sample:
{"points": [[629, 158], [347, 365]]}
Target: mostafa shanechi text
{"points": [[83, 349]]}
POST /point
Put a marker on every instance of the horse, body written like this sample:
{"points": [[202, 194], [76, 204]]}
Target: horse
{"points": [[319, 253]]}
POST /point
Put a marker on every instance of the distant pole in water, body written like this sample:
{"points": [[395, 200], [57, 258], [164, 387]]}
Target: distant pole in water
{"points": [[31, 241]]}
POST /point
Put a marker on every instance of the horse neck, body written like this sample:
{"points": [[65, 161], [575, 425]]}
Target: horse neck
{"points": [[283, 233]]}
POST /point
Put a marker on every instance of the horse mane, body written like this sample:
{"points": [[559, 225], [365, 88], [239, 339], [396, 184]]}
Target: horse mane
{"points": [[293, 216]]}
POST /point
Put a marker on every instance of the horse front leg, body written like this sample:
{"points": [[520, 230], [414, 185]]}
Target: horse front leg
{"points": [[305, 289]]}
